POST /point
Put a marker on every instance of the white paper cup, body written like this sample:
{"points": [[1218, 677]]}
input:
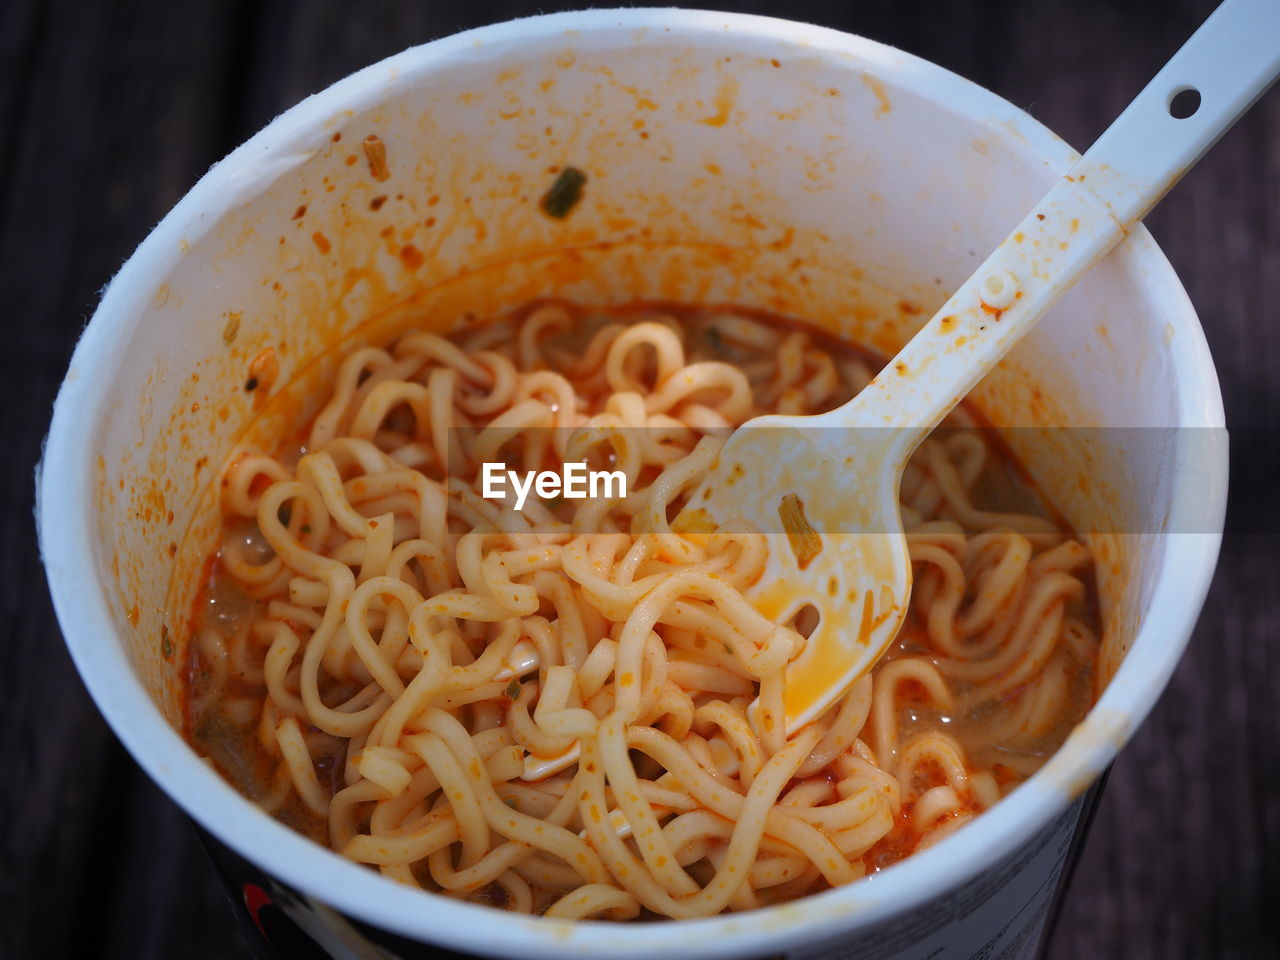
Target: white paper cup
{"points": [[730, 159]]}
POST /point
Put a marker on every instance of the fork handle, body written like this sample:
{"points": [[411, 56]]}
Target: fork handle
{"points": [[1230, 61]]}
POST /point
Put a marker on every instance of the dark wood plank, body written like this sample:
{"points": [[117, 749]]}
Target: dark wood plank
{"points": [[301, 46], [110, 110], [1178, 862]]}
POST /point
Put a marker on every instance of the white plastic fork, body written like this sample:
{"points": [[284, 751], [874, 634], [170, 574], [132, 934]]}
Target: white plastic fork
{"points": [[846, 553]]}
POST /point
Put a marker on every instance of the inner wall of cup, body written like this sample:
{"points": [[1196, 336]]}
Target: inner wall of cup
{"points": [[733, 170]]}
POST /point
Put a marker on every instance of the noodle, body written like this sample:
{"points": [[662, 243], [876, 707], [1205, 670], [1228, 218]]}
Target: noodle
{"points": [[545, 709]]}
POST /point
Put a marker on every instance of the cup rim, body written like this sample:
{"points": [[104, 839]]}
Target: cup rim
{"points": [[66, 524]]}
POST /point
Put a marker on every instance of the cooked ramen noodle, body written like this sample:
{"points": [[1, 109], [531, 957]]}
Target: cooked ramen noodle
{"points": [[546, 709]]}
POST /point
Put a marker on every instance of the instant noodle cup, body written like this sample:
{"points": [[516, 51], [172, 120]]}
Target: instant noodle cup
{"points": [[723, 159]]}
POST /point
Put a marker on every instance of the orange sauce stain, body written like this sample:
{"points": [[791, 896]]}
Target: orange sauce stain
{"points": [[232, 328], [411, 257], [877, 89], [375, 152], [264, 370], [724, 101]]}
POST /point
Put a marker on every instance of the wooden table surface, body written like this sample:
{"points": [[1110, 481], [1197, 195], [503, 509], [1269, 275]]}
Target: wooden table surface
{"points": [[110, 111]]}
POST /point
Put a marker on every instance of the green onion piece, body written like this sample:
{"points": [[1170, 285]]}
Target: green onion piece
{"points": [[805, 541], [513, 689], [564, 193]]}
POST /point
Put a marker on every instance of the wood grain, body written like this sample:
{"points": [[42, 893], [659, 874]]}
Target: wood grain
{"points": [[109, 111]]}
